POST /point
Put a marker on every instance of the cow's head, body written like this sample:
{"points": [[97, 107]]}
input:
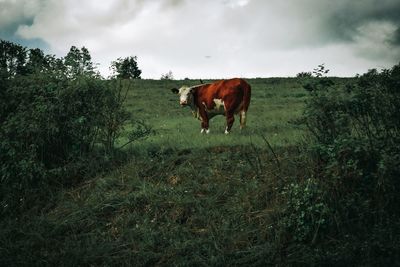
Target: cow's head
{"points": [[185, 95]]}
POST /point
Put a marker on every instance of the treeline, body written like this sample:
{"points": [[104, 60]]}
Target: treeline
{"points": [[18, 60], [59, 121]]}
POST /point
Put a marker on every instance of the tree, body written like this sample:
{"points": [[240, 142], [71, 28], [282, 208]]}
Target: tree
{"points": [[79, 62], [304, 74], [12, 58], [126, 68], [37, 61], [320, 71], [167, 76]]}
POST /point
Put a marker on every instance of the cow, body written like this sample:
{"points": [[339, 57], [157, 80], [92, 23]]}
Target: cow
{"points": [[225, 97]]}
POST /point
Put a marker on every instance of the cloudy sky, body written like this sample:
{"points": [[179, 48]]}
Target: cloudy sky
{"points": [[214, 38]]}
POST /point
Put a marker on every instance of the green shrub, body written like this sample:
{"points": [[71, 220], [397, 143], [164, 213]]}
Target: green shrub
{"points": [[353, 197], [55, 129], [305, 212], [356, 128]]}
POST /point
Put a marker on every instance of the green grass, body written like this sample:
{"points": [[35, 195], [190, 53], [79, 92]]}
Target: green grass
{"points": [[183, 198], [171, 207], [274, 105]]}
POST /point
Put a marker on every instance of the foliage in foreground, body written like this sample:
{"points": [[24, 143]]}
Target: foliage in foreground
{"points": [[347, 212], [59, 122], [163, 208]]}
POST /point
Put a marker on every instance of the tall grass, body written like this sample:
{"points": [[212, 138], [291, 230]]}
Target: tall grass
{"points": [[187, 199], [171, 206]]}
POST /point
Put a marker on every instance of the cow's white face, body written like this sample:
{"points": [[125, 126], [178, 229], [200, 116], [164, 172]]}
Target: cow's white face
{"points": [[185, 95]]}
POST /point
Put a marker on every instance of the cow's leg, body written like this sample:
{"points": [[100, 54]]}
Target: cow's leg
{"points": [[229, 121], [231, 103], [204, 121], [204, 127], [242, 119]]}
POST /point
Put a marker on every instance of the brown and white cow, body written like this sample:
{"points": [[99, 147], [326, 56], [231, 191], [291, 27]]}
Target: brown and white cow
{"points": [[226, 97]]}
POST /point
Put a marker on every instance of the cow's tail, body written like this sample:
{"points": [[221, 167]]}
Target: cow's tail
{"points": [[245, 104]]}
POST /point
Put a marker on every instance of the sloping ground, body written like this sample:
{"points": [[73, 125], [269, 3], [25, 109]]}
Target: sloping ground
{"points": [[171, 207], [182, 199], [185, 199]]}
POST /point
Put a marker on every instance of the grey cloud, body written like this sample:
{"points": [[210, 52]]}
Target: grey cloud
{"points": [[347, 18], [240, 36], [172, 3], [396, 38], [10, 28], [314, 22], [14, 14]]}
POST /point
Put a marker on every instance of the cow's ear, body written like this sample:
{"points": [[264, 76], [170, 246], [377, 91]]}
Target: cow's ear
{"points": [[175, 90]]}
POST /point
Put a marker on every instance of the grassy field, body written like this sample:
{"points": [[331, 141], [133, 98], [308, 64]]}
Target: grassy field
{"points": [[182, 198], [275, 103]]}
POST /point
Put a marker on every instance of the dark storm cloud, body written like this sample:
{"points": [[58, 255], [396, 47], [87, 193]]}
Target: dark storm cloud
{"points": [[9, 33], [16, 14], [396, 38], [348, 17]]}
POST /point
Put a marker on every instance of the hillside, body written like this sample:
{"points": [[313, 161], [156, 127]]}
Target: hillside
{"points": [[181, 198], [267, 195]]}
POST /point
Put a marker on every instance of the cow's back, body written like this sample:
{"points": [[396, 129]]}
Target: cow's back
{"points": [[233, 92]]}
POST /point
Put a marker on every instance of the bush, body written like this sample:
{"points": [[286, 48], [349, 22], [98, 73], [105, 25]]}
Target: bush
{"points": [[352, 197], [356, 128], [55, 129], [304, 74], [305, 212]]}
